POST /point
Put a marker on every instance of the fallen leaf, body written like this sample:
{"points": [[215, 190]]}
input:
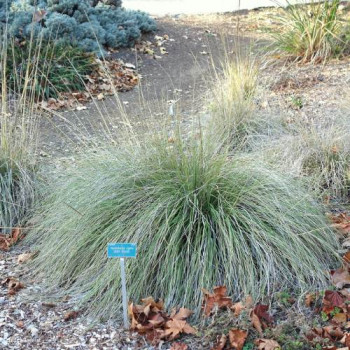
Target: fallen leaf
{"points": [[39, 15], [340, 277], [215, 300], [310, 299], [332, 299], [346, 258], [237, 308], [6, 241], [13, 285], [339, 317], [22, 258], [182, 314], [346, 340], [20, 324], [163, 51], [220, 342], [261, 311], [70, 315], [81, 108], [332, 332], [341, 222], [179, 346], [175, 327], [267, 344], [129, 65], [100, 96], [237, 338], [256, 323]]}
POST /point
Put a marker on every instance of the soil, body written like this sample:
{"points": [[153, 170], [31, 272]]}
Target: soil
{"points": [[180, 78]]}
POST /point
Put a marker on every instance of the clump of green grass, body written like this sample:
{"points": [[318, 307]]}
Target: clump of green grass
{"points": [[18, 141], [199, 218], [232, 111], [46, 69], [309, 32]]}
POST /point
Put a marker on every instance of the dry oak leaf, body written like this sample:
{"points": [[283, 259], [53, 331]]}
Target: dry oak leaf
{"points": [[146, 317], [332, 299], [182, 314], [6, 241], [346, 340], [220, 342], [340, 277], [310, 299], [340, 318], [154, 336], [346, 258], [333, 333], [175, 327], [215, 300], [237, 308], [267, 344], [20, 324], [261, 311], [22, 258], [179, 346], [256, 323], [70, 315], [341, 222], [13, 285], [237, 338], [155, 304], [242, 305]]}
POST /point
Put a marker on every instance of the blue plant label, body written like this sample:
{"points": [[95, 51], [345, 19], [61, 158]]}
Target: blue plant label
{"points": [[121, 250]]}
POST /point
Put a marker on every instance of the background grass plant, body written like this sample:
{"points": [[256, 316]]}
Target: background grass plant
{"points": [[18, 141], [49, 68], [199, 218], [234, 119], [309, 32]]}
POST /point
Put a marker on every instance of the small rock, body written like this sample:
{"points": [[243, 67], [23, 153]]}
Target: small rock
{"points": [[33, 330]]}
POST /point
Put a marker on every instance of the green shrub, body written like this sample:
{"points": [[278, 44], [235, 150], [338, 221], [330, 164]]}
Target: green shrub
{"points": [[46, 69], [309, 32], [199, 218]]}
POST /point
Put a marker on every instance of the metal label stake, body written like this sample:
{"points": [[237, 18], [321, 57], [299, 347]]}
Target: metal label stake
{"points": [[122, 250], [125, 298]]}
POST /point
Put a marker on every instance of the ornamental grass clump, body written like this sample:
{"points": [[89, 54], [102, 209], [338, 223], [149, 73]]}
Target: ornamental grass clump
{"points": [[235, 121], [46, 68], [309, 32], [199, 219], [18, 140], [319, 152]]}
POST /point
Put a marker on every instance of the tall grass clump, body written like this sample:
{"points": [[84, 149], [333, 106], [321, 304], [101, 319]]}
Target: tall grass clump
{"points": [[46, 68], [320, 152], [309, 32], [18, 141], [199, 218], [234, 118]]}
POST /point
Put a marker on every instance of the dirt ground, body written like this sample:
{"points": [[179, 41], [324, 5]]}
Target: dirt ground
{"points": [[180, 77]]}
